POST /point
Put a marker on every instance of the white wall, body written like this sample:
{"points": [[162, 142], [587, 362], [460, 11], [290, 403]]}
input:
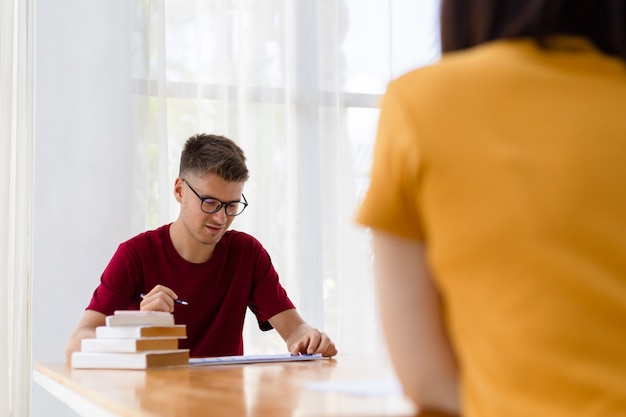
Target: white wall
{"points": [[83, 169]]}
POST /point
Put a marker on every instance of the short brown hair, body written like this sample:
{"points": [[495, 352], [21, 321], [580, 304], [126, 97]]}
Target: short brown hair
{"points": [[213, 154]]}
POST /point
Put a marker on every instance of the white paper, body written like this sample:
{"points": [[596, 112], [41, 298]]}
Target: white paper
{"points": [[226, 360], [360, 387]]}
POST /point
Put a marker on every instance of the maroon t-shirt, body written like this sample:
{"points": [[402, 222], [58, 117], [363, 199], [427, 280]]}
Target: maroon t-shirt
{"points": [[238, 275]]}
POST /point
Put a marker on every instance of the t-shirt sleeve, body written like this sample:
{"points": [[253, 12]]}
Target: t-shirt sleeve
{"points": [[391, 203], [268, 296], [119, 288]]}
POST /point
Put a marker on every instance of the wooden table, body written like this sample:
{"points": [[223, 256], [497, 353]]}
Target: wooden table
{"points": [[348, 385]]}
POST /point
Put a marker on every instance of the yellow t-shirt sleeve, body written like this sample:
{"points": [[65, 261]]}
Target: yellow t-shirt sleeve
{"points": [[391, 203]]}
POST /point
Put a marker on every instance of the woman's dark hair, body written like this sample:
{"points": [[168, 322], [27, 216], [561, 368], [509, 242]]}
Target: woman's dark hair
{"points": [[467, 23]]}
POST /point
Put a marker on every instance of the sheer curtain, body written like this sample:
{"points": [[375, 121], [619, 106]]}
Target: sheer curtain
{"points": [[296, 84], [16, 155]]}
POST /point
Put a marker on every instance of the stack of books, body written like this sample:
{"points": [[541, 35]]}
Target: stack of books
{"points": [[134, 339]]}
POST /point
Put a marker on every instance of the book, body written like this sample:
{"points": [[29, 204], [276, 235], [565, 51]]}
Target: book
{"points": [[226, 360], [128, 345], [137, 360], [136, 318], [139, 332]]}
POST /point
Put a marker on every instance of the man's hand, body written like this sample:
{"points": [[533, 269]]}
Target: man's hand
{"points": [[313, 342], [300, 337], [86, 328], [160, 298]]}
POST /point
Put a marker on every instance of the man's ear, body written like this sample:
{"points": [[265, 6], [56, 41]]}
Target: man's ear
{"points": [[178, 189]]}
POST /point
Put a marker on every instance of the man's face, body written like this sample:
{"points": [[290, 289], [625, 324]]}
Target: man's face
{"points": [[206, 228]]}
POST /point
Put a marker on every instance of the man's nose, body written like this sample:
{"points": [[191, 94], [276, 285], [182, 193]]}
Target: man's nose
{"points": [[221, 214]]}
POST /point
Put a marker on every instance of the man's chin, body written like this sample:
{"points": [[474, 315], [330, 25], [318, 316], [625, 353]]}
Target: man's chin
{"points": [[210, 239]]}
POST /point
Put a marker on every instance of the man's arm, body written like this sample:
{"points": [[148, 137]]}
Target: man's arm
{"points": [[411, 316], [86, 328], [301, 337]]}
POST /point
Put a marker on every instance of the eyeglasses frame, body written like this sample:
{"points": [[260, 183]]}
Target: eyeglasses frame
{"points": [[222, 203]]}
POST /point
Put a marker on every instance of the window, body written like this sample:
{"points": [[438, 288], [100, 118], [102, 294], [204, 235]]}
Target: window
{"points": [[296, 84]]}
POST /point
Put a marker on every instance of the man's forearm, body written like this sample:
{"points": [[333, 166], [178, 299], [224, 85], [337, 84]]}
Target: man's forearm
{"points": [[73, 344]]}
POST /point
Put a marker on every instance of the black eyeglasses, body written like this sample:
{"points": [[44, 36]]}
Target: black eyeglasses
{"points": [[213, 205]]}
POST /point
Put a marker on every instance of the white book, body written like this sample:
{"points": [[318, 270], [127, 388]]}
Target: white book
{"points": [[137, 317], [137, 360], [139, 332], [128, 345]]}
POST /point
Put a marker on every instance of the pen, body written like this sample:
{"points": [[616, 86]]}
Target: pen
{"points": [[177, 301]]}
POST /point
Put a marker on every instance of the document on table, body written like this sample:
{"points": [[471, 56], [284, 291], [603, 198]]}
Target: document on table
{"points": [[360, 387], [226, 360]]}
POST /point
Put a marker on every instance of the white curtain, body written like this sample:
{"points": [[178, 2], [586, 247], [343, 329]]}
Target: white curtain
{"points": [[16, 182], [296, 84]]}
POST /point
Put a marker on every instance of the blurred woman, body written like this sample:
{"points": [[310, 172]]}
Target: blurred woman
{"points": [[498, 210]]}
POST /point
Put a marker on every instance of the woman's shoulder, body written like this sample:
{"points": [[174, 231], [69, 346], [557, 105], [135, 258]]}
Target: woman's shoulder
{"points": [[502, 59], [478, 60]]}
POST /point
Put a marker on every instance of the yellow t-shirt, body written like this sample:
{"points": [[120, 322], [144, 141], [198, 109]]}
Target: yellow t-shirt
{"points": [[509, 162]]}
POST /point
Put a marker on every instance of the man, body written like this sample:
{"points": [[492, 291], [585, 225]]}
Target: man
{"points": [[197, 269]]}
